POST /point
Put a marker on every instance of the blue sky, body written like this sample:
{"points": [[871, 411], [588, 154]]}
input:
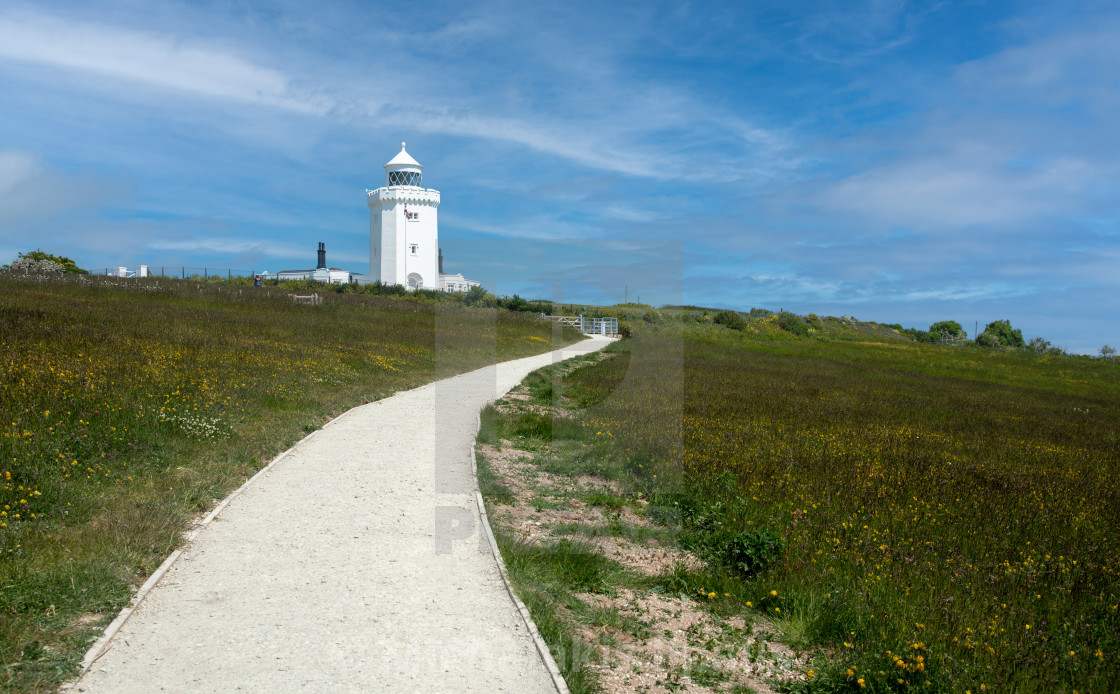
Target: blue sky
{"points": [[895, 161]]}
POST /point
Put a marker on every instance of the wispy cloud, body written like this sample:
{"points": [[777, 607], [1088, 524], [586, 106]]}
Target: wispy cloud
{"points": [[155, 59], [851, 32], [963, 190], [622, 130]]}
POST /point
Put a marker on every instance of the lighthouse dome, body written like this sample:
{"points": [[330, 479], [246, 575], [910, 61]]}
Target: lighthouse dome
{"points": [[403, 170]]}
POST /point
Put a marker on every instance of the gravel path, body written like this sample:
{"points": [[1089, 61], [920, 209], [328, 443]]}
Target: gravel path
{"points": [[357, 563]]}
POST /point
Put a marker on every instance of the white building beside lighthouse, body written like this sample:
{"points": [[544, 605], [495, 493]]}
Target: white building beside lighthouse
{"points": [[404, 231]]}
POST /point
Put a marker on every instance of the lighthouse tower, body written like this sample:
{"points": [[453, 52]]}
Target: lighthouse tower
{"points": [[403, 229]]}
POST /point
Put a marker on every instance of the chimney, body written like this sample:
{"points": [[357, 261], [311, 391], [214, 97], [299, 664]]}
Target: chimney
{"points": [[441, 260], [322, 257]]}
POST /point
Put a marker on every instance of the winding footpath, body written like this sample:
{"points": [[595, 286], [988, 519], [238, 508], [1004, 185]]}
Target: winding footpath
{"points": [[358, 562]]}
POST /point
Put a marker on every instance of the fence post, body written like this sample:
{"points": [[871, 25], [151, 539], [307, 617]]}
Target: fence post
{"points": [[205, 274], [184, 272], [229, 275]]}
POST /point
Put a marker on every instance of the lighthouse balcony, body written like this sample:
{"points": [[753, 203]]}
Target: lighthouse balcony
{"points": [[388, 196]]}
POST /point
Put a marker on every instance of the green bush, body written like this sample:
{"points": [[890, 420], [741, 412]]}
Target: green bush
{"points": [[793, 323], [68, 266], [947, 331], [1000, 334], [950, 327], [732, 319]]}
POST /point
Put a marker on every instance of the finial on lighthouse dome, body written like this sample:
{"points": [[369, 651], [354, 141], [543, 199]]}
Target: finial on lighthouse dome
{"points": [[403, 170]]}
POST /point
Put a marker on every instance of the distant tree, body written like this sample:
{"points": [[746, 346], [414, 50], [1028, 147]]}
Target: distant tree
{"points": [[1108, 352], [946, 331], [1037, 344], [515, 303], [986, 339], [1040, 346], [732, 319], [1000, 334], [477, 296]]}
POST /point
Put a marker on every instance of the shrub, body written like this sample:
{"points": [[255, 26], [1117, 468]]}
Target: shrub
{"points": [[947, 331], [38, 261], [514, 303], [986, 339], [793, 323], [732, 319]]}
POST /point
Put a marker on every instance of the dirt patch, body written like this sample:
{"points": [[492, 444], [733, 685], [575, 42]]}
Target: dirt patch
{"points": [[669, 644], [510, 466], [650, 559], [647, 642], [545, 508], [88, 619]]}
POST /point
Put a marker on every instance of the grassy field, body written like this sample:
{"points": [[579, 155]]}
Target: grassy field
{"points": [[127, 407], [922, 518]]}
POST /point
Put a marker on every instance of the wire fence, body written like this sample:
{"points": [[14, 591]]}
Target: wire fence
{"points": [[179, 271]]}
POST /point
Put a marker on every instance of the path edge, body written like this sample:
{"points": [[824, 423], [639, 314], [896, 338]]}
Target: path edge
{"points": [[102, 645], [538, 640]]}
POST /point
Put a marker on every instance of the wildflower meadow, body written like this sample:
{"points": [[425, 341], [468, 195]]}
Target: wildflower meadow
{"points": [[919, 517], [127, 407]]}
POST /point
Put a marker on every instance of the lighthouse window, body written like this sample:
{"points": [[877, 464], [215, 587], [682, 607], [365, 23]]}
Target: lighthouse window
{"points": [[413, 248], [404, 178]]}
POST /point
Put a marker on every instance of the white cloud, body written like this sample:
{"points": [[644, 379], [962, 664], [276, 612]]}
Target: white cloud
{"points": [[963, 190], [1052, 70], [155, 59], [788, 282], [596, 115], [962, 293]]}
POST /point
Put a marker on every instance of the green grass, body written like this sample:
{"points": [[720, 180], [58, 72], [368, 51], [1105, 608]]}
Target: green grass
{"points": [[548, 576], [545, 578], [932, 501], [128, 407]]}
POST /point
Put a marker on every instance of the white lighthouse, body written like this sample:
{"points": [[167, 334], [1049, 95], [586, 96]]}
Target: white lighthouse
{"points": [[403, 227]]}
